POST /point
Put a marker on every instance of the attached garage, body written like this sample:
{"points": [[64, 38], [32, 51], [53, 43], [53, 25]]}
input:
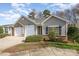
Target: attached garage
{"points": [[29, 30], [18, 31]]}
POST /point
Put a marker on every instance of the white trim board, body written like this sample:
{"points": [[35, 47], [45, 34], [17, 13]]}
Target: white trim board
{"points": [[53, 26]]}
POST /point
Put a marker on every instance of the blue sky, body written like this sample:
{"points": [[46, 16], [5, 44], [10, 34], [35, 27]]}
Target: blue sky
{"points": [[10, 12]]}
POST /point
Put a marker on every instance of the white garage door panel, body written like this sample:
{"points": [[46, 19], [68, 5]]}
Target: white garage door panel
{"points": [[30, 30], [18, 31]]}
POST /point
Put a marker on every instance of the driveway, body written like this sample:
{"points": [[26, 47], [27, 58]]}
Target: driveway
{"points": [[48, 51], [10, 41]]}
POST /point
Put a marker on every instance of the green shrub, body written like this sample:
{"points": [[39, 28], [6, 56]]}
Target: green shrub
{"points": [[3, 35], [34, 38], [73, 33], [52, 36], [76, 38], [1, 29]]}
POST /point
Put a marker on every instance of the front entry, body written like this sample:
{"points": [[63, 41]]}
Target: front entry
{"points": [[12, 31], [39, 30]]}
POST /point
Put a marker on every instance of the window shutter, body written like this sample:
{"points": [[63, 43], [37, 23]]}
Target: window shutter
{"points": [[46, 30], [59, 30]]}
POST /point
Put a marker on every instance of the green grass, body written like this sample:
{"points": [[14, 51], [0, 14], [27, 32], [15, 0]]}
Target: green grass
{"points": [[3, 35], [35, 45], [23, 47], [64, 45]]}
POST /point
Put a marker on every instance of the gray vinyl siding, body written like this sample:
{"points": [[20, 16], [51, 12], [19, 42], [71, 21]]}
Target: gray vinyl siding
{"points": [[26, 22], [55, 22]]}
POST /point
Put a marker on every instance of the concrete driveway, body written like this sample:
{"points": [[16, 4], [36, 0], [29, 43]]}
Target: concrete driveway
{"points": [[48, 51], [10, 41]]}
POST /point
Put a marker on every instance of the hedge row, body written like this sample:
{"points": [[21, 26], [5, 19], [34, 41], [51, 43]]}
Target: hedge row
{"points": [[3, 35]]}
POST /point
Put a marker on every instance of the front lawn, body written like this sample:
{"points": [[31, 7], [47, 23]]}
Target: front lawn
{"points": [[64, 45], [24, 47], [36, 45]]}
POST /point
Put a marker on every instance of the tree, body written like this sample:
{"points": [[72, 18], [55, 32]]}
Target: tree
{"points": [[1, 29], [46, 13], [71, 15], [62, 14], [32, 14], [77, 8], [73, 33]]}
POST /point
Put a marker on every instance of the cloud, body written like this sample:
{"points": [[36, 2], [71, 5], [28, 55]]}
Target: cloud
{"points": [[9, 16], [60, 6], [21, 8], [17, 10], [46, 4], [16, 5]]}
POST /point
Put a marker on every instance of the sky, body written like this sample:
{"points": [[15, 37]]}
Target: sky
{"points": [[10, 12]]}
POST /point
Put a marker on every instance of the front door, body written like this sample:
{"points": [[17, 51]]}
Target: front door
{"points": [[39, 30], [12, 31]]}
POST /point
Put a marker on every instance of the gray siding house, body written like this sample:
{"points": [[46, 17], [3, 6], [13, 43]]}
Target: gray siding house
{"points": [[26, 26]]}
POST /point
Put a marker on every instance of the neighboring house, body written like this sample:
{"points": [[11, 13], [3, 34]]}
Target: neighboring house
{"points": [[26, 26], [9, 28]]}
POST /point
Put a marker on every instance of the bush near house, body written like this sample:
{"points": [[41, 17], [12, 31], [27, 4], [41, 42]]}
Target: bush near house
{"points": [[73, 34], [3, 35], [1, 32], [34, 38], [52, 36], [1, 29], [76, 38]]}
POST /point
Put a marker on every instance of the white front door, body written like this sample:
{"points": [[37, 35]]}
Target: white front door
{"points": [[29, 30]]}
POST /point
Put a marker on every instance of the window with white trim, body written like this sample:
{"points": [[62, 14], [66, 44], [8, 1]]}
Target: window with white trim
{"points": [[57, 30]]}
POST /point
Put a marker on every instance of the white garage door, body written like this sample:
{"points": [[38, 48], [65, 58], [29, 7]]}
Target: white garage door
{"points": [[18, 31], [29, 30]]}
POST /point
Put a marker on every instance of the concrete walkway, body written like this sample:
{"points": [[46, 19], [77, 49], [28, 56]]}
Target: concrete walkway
{"points": [[10, 41], [48, 51]]}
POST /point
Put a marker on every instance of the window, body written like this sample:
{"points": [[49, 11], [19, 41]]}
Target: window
{"points": [[57, 30], [6, 30], [46, 30]]}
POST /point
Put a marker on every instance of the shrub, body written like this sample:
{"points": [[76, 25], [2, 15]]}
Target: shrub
{"points": [[52, 36], [73, 33], [34, 38], [3, 35], [1, 29], [76, 38], [45, 38]]}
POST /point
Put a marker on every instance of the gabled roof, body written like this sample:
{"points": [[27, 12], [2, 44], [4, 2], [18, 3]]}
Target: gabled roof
{"points": [[37, 21], [25, 18], [8, 25], [55, 17]]}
